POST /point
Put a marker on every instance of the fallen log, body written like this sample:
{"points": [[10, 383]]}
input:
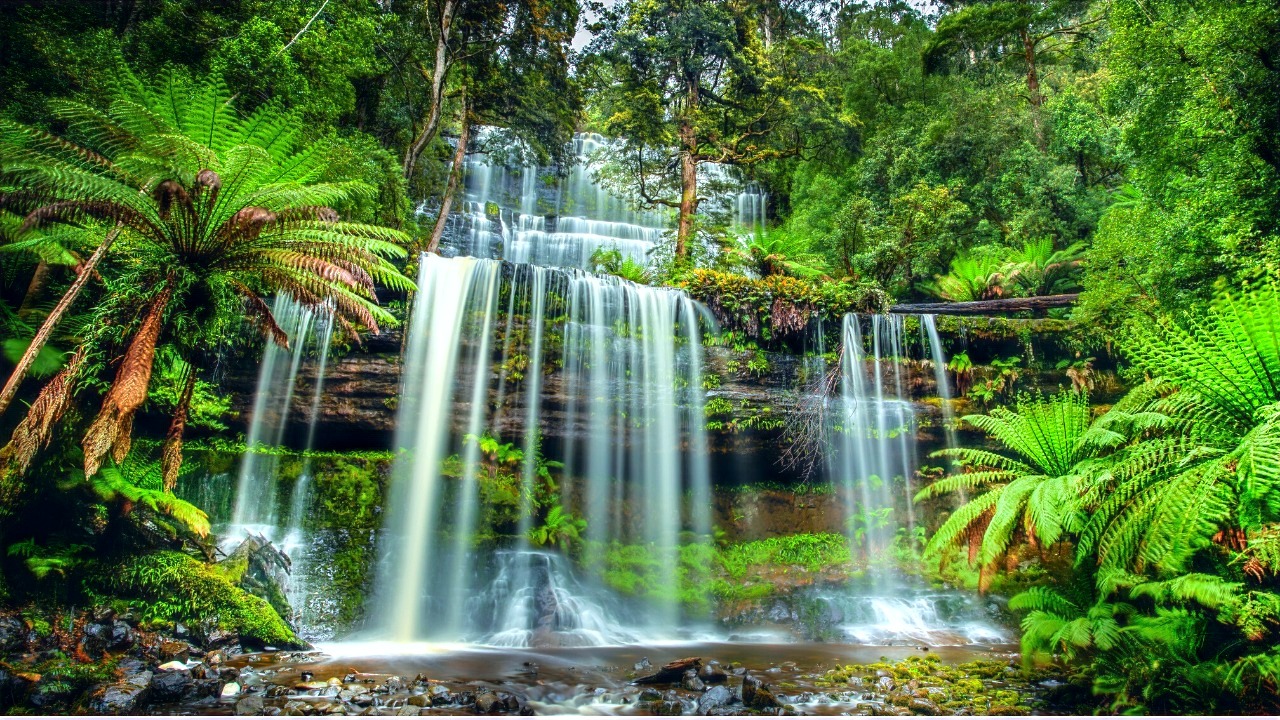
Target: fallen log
{"points": [[987, 307], [672, 672]]}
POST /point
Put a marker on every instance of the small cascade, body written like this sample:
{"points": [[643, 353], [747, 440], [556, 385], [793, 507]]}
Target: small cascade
{"points": [[912, 614], [623, 361], [752, 204], [255, 506], [258, 510], [533, 215], [535, 601], [875, 435], [939, 358]]}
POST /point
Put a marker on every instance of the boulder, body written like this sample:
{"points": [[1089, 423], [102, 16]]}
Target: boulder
{"points": [[712, 673], [691, 682], [924, 706], [488, 703], [718, 696], [439, 695], [115, 699], [250, 705], [168, 687], [757, 695], [13, 634]]}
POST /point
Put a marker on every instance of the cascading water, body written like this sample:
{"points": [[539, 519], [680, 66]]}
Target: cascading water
{"points": [[632, 352], [531, 215], [255, 505], [940, 378], [874, 439], [257, 509]]}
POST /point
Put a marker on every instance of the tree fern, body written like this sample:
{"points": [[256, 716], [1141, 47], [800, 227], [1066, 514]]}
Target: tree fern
{"points": [[207, 203], [1032, 487]]}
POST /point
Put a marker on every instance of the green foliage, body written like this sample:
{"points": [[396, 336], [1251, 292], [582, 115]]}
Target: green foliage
{"points": [[813, 552], [1049, 446], [559, 528], [173, 587], [611, 261]]}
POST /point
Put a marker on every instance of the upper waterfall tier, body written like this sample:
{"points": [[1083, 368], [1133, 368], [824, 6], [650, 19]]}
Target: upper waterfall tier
{"points": [[538, 216]]}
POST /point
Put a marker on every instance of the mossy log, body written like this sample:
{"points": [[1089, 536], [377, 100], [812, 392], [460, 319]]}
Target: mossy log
{"points": [[672, 672], [1000, 306]]}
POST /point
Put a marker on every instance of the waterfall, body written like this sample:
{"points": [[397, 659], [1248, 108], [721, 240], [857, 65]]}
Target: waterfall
{"points": [[535, 216], [624, 363], [751, 206], [255, 505], [874, 436], [940, 377]]}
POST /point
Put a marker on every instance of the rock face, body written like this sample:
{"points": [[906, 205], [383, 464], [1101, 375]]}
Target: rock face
{"points": [[13, 633]]}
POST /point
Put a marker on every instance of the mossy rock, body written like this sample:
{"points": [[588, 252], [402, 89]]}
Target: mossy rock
{"points": [[173, 587]]}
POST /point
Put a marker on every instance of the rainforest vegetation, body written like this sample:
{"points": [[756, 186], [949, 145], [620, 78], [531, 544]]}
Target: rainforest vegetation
{"points": [[168, 167]]}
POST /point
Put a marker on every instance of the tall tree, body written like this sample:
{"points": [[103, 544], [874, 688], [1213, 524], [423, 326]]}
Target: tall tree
{"points": [[1009, 30], [683, 83]]}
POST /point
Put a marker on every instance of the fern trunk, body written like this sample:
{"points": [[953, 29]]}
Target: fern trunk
{"points": [[112, 430], [46, 328]]}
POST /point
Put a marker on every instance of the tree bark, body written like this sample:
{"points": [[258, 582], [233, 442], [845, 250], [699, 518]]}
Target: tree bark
{"points": [[987, 307], [39, 279], [171, 456], [1033, 87], [440, 69], [688, 172], [112, 430], [455, 177], [46, 328]]}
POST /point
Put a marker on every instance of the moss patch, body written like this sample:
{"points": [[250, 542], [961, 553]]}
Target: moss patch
{"points": [[168, 586]]}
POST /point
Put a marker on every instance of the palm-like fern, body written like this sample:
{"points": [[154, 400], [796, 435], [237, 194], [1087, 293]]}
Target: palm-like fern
{"points": [[972, 277], [1031, 489], [206, 203], [1038, 269], [1209, 469]]}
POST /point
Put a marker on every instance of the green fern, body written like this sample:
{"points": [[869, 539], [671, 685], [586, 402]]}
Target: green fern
{"points": [[1050, 446]]}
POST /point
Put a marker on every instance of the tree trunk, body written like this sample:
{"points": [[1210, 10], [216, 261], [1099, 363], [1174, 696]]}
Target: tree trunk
{"points": [[455, 177], [171, 456], [35, 430], [112, 430], [39, 279], [1033, 87], [688, 173], [987, 307], [439, 71], [46, 328]]}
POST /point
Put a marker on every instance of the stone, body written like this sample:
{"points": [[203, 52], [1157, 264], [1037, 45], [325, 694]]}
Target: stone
{"points": [[691, 682], [488, 703], [231, 689], [295, 707], [169, 686], [215, 657], [120, 698], [173, 666], [419, 701], [718, 696], [649, 695], [13, 634], [757, 695], [712, 673], [407, 710], [439, 695], [249, 705], [174, 650], [885, 683], [924, 706]]}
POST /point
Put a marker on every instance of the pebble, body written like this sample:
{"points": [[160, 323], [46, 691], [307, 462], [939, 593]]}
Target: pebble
{"points": [[231, 689]]}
